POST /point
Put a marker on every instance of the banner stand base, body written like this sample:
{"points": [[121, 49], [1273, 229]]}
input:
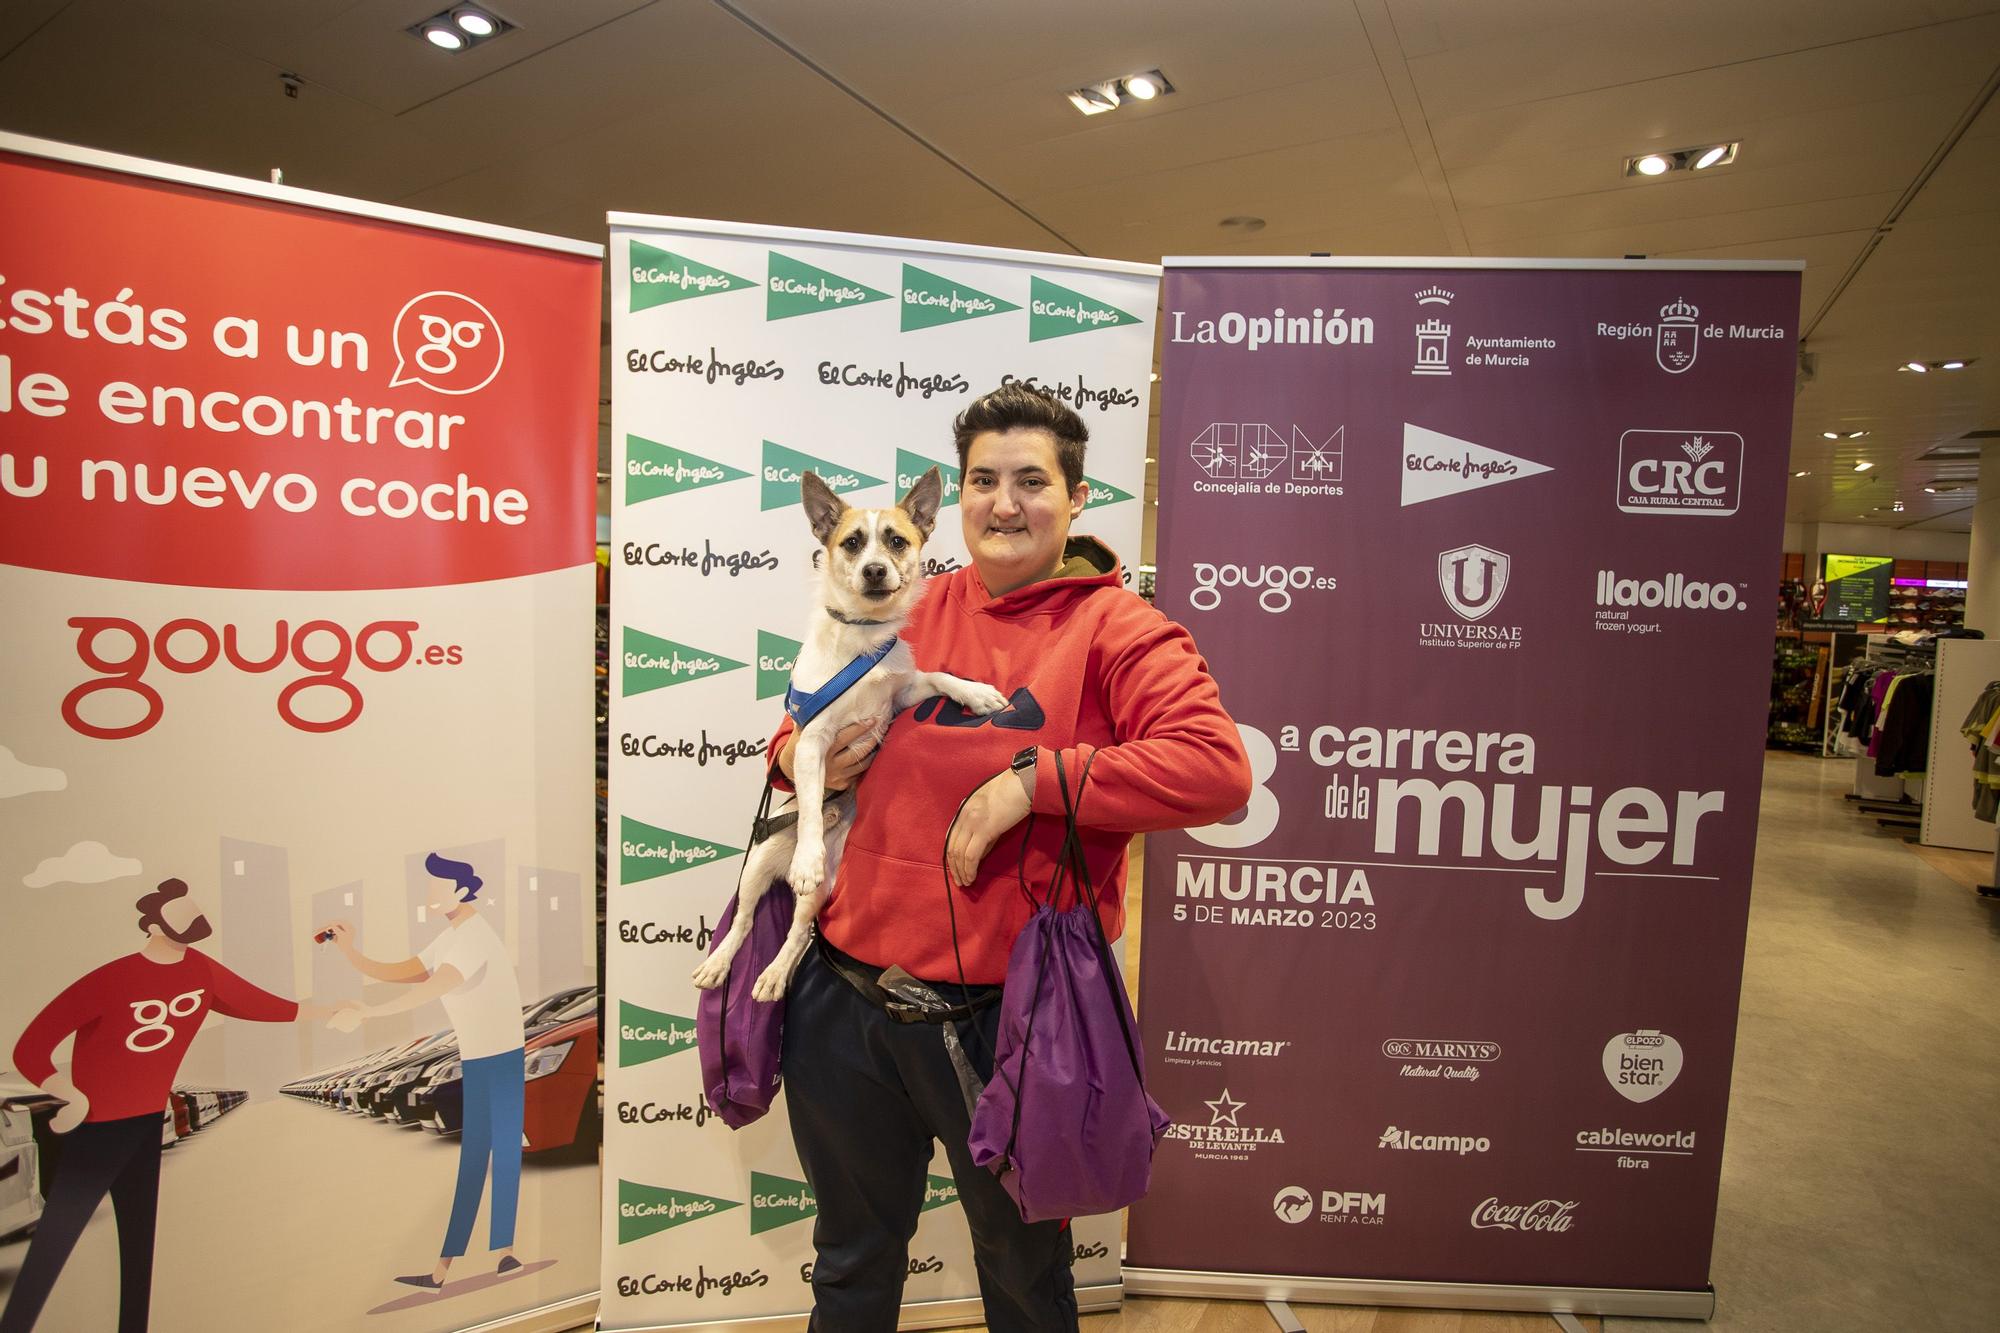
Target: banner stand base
{"points": [[922, 1314], [576, 1312], [1275, 1290]]}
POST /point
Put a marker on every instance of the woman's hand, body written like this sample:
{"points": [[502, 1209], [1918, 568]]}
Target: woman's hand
{"points": [[1001, 802], [853, 749]]}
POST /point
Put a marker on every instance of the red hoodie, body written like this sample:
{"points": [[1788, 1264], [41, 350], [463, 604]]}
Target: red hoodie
{"points": [[1091, 669]]}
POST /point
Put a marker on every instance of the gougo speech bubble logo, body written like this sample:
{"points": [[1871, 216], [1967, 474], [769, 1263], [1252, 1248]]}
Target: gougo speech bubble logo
{"points": [[448, 342]]}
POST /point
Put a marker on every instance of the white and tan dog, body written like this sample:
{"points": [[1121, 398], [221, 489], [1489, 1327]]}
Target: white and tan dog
{"points": [[871, 577]]}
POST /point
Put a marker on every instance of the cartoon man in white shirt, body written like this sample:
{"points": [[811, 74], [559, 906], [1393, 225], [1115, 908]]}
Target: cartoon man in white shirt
{"points": [[466, 969]]}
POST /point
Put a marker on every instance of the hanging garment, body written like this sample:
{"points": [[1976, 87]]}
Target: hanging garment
{"points": [[1981, 724]]}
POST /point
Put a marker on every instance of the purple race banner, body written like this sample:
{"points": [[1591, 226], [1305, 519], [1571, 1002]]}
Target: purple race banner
{"points": [[1481, 553]]}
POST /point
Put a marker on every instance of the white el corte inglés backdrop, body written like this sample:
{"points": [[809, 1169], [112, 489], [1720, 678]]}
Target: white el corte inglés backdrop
{"points": [[741, 357]]}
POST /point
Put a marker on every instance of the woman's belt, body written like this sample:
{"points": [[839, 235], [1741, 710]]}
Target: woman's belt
{"points": [[866, 981]]}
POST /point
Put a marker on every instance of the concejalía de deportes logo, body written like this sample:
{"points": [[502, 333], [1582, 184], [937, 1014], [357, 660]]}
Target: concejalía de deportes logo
{"points": [[326, 697]]}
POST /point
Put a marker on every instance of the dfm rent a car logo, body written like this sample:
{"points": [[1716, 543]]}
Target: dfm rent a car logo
{"points": [[1294, 1204], [1545, 1215], [1275, 584], [123, 653], [1680, 472], [153, 1030], [447, 342], [1631, 826]]}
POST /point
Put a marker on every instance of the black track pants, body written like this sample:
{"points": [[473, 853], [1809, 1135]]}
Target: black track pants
{"points": [[116, 1157]]}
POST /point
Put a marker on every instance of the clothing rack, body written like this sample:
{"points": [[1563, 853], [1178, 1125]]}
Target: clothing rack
{"points": [[1889, 798]]}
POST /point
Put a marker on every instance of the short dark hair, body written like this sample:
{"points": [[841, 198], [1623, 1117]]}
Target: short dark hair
{"points": [[458, 872], [1015, 406], [150, 905]]}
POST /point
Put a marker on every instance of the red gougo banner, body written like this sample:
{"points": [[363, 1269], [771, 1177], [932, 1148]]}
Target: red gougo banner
{"points": [[296, 553], [1480, 555]]}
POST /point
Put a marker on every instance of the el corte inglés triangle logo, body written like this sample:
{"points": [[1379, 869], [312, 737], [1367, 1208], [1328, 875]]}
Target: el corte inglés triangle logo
{"points": [[776, 1201], [646, 1209], [1436, 465], [653, 470], [1103, 493], [652, 663], [796, 288], [646, 852], [909, 467], [660, 276], [783, 467], [776, 656], [1057, 312], [646, 1035], [929, 300], [939, 1192]]}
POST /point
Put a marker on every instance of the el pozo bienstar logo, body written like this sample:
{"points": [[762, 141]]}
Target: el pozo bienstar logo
{"points": [[930, 300], [647, 852], [650, 663], [653, 470], [644, 1210], [1057, 312], [795, 288], [646, 1035], [783, 467], [1641, 1065], [661, 276]]}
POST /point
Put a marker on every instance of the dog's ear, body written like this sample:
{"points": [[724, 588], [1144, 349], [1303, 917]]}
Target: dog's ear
{"points": [[921, 504], [823, 507]]}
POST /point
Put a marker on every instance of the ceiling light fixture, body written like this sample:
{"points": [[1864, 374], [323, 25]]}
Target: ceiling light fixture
{"points": [[1951, 365], [1922, 367], [1653, 165], [1829, 435], [1702, 157], [1802, 474], [1917, 366], [1094, 99], [1711, 157], [1863, 465], [460, 28], [1856, 434]]}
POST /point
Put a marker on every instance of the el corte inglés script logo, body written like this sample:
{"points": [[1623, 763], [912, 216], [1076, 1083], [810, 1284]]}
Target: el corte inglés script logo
{"points": [[1103, 493], [929, 300], [660, 276], [777, 1201], [1436, 465], [783, 467], [909, 467], [646, 1209], [652, 663], [646, 852], [645, 1035], [653, 470], [939, 1192], [776, 656], [797, 288], [1057, 312]]}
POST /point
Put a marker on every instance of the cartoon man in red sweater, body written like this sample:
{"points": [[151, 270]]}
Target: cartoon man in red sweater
{"points": [[134, 1019]]}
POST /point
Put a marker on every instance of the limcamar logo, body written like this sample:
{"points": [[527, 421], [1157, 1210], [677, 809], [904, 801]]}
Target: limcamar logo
{"points": [[123, 652]]}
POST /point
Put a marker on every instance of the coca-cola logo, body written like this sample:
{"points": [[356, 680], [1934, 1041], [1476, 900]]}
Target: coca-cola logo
{"points": [[123, 652], [1542, 1215]]}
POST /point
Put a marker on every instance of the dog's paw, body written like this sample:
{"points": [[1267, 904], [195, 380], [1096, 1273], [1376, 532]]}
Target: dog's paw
{"points": [[808, 870], [771, 982], [980, 699], [712, 973]]}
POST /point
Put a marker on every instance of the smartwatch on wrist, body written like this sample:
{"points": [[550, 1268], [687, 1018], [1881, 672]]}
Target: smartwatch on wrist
{"points": [[1024, 762]]}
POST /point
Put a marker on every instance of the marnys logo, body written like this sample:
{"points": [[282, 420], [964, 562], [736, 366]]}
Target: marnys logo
{"points": [[653, 470], [784, 467], [1057, 312], [1454, 1060], [1188, 1048], [1641, 1065], [1436, 465], [1225, 1136], [1277, 583], [652, 663], [1546, 1215], [646, 852], [646, 1035], [1294, 1204], [798, 288], [1680, 472], [646, 1209], [1407, 1140], [1240, 458], [929, 300], [660, 276]]}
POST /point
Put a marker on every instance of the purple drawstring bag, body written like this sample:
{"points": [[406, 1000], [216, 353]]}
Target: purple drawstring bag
{"points": [[739, 1038], [1065, 1121]]}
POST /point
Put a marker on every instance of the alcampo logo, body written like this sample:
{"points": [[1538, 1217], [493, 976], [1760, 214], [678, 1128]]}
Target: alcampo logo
{"points": [[776, 656], [776, 1201], [646, 852], [652, 663], [646, 1209], [1103, 493], [929, 300], [660, 276], [911, 466], [783, 467], [939, 1192], [796, 288], [646, 1035], [653, 470], [1057, 312]]}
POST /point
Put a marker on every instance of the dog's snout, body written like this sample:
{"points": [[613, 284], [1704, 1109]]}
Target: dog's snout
{"points": [[875, 573]]}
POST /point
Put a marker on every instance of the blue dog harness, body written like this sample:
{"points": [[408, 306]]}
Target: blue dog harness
{"points": [[803, 708]]}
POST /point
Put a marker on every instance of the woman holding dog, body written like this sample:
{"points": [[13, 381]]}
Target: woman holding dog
{"points": [[1090, 669]]}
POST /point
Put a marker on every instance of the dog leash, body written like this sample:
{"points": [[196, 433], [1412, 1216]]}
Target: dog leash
{"points": [[803, 708]]}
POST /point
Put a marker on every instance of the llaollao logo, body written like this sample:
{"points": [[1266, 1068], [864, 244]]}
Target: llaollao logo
{"points": [[447, 342]]}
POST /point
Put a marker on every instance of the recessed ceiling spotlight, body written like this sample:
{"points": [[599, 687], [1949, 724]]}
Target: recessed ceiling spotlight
{"points": [[1702, 157], [1829, 435], [1653, 165], [1142, 87], [1920, 367], [1807, 473], [1917, 366], [1242, 223], [1856, 434], [1951, 365], [1863, 465], [460, 28], [1712, 157], [1896, 508], [1094, 99]]}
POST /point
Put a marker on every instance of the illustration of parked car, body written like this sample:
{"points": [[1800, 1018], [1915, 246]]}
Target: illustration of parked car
{"points": [[20, 1171]]}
